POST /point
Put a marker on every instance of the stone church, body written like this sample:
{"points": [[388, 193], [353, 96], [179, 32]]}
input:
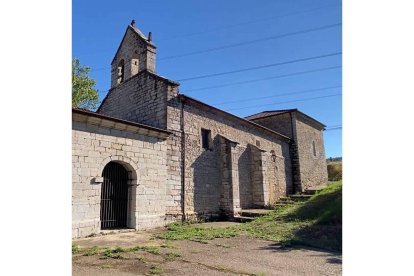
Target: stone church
{"points": [[151, 155]]}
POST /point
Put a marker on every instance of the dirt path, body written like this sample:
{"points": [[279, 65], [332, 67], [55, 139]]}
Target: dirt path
{"points": [[235, 256]]}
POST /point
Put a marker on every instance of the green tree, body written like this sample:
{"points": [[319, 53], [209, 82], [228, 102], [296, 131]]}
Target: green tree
{"points": [[84, 94]]}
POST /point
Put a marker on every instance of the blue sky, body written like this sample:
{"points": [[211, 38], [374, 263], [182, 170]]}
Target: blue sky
{"points": [[181, 27]]}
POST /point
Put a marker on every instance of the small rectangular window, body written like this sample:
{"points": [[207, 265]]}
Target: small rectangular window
{"points": [[314, 148], [258, 143], [205, 138]]}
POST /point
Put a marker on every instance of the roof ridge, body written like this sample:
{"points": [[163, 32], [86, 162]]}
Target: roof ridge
{"points": [[139, 33], [266, 114]]}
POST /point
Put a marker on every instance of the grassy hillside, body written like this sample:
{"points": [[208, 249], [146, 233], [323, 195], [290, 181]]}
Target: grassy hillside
{"points": [[317, 223], [324, 212], [325, 206]]}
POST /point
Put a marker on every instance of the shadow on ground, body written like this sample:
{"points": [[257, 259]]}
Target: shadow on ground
{"points": [[332, 257], [280, 248]]}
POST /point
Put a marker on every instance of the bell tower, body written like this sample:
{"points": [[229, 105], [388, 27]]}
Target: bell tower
{"points": [[136, 53]]}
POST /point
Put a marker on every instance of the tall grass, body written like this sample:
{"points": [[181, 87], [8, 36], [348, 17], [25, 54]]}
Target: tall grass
{"points": [[317, 222], [334, 171]]}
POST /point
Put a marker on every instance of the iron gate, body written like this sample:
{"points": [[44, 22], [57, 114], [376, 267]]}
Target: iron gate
{"points": [[114, 197]]}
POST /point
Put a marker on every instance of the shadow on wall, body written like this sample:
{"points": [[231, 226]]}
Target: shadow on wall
{"points": [[245, 177], [288, 171], [113, 132], [205, 178]]}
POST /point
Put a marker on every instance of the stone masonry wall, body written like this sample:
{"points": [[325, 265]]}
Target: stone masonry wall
{"points": [[145, 98], [313, 171], [257, 173], [203, 174], [140, 99], [174, 156], [229, 186], [143, 156], [275, 172], [202, 179], [243, 157], [226, 206], [308, 170], [280, 123]]}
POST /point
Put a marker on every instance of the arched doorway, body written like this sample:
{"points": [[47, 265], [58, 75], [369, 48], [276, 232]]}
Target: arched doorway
{"points": [[114, 196]]}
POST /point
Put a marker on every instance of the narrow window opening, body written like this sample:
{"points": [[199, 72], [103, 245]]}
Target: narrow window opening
{"points": [[121, 71], [314, 148], [134, 63], [205, 138], [258, 143], [273, 155]]}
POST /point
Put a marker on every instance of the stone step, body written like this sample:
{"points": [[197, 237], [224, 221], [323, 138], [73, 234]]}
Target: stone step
{"points": [[286, 200], [252, 213], [288, 203], [279, 205], [242, 219], [292, 199], [301, 197], [296, 202], [312, 191]]}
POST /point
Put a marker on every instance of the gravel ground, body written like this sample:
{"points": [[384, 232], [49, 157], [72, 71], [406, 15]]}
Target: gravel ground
{"points": [[234, 256]]}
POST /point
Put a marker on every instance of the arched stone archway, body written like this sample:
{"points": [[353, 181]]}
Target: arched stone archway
{"points": [[124, 170], [127, 162]]}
